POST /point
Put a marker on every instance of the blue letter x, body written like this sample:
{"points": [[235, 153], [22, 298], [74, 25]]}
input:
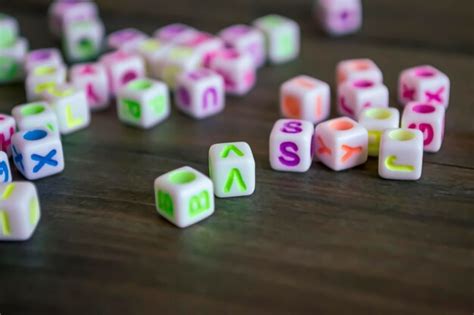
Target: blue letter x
{"points": [[43, 160], [18, 158]]}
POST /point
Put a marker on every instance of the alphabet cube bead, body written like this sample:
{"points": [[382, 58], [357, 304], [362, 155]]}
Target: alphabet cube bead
{"points": [[64, 12], [83, 40], [376, 120], [339, 17], [291, 145], [401, 154], [7, 129], [8, 30], [424, 84], [174, 32], [43, 78], [143, 103], [19, 211], [429, 119], [5, 171], [177, 61], [305, 98], [154, 53], [70, 106], [282, 36], [11, 61], [246, 39], [204, 44], [354, 96], [232, 169], [43, 57], [127, 39], [93, 79], [37, 153], [237, 69], [358, 69], [122, 67], [184, 196], [341, 143], [34, 116], [200, 93]]}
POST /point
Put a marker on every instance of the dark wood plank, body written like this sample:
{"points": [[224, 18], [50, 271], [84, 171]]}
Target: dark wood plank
{"points": [[317, 243]]}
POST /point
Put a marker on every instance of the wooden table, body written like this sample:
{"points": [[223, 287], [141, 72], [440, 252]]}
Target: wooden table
{"points": [[317, 243]]}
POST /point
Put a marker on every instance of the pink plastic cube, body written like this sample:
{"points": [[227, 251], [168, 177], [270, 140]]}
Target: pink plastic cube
{"points": [[237, 69], [424, 84], [93, 78], [429, 119], [354, 96], [200, 93], [305, 98], [246, 39], [122, 67], [341, 143]]}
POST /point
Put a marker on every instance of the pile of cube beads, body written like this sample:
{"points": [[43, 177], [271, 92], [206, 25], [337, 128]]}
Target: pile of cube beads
{"points": [[139, 71]]}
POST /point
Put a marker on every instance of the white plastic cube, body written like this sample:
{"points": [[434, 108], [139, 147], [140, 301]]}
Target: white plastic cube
{"points": [[376, 120], [5, 171], [358, 69], [70, 106], [43, 57], [34, 116], [154, 52], [305, 98], [83, 40], [63, 12], [7, 129], [184, 196], [232, 169], [11, 61], [339, 17], [42, 78], [178, 60], [126, 39], [246, 39], [37, 153], [122, 67], [282, 37], [237, 69], [401, 154], [92, 77], [19, 211], [429, 119], [424, 84], [174, 32], [8, 30], [291, 145], [354, 96], [341, 143], [200, 93], [143, 103], [204, 44]]}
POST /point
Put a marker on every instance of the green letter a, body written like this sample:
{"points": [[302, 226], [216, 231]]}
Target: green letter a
{"points": [[234, 174]]}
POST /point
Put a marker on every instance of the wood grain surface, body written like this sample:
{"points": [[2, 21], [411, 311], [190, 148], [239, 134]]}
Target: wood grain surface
{"points": [[314, 243]]}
